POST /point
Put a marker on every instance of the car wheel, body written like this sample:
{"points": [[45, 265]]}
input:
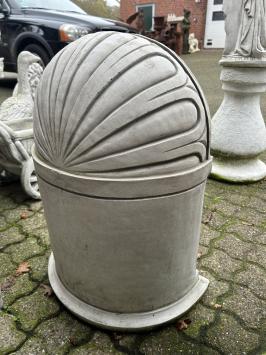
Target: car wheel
{"points": [[40, 52]]}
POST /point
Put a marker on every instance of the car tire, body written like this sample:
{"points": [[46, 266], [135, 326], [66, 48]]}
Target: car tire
{"points": [[40, 52]]}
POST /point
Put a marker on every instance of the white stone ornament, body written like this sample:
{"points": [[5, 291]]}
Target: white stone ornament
{"points": [[20, 105], [238, 128], [122, 155], [16, 125], [193, 43]]}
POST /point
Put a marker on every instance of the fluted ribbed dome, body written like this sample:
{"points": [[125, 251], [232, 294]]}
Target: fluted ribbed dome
{"points": [[119, 104]]}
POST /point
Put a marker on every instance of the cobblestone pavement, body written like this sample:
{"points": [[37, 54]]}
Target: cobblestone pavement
{"points": [[229, 319]]}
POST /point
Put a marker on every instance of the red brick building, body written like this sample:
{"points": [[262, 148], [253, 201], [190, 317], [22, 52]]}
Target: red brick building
{"points": [[206, 16]]}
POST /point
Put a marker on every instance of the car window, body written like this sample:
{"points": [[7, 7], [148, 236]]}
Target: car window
{"points": [[60, 5]]}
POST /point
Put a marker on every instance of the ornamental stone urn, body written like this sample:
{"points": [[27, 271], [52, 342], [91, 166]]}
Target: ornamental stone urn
{"points": [[122, 157]]}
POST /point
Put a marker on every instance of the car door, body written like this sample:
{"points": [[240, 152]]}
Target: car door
{"points": [[4, 17]]}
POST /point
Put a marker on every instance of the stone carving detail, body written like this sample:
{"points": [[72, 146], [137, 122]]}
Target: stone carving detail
{"points": [[98, 131], [245, 26], [16, 125], [20, 105]]}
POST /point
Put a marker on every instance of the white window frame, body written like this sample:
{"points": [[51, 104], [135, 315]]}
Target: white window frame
{"points": [[153, 11]]}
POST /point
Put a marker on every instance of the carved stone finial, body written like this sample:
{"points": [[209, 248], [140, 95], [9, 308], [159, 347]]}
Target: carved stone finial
{"points": [[84, 126]]}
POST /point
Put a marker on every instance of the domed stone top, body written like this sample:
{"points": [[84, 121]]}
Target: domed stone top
{"points": [[120, 105]]}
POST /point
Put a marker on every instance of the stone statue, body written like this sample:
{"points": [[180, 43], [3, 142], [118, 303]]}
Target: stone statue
{"points": [[245, 26], [20, 104], [185, 29], [193, 43]]}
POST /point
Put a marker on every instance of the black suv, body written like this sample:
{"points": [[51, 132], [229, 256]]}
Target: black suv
{"points": [[44, 27]]}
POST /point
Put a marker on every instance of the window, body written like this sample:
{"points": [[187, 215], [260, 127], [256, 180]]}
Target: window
{"points": [[59, 5], [218, 2], [148, 11], [218, 16]]}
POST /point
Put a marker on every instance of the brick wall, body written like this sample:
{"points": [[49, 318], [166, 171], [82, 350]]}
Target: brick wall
{"points": [[165, 7]]}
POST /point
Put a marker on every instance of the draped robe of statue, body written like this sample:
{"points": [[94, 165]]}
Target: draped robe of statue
{"points": [[246, 28]]}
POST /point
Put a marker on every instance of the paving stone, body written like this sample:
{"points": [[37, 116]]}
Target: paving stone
{"points": [[250, 216], [200, 316], [33, 309], [202, 251], [215, 289], [10, 337], [6, 203], [248, 232], [35, 206], [221, 264], [43, 235], [248, 307], [234, 247], [6, 265], [169, 341], [228, 209], [257, 203], [215, 188], [10, 236], [258, 255], [231, 338], [39, 267], [215, 220], [3, 223], [239, 190], [261, 238], [15, 192], [60, 333], [207, 235], [208, 202], [24, 250], [253, 278], [15, 287], [14, 216], [33, 346], [236, 198], [127, 341], [99, 345], [31, 224]]}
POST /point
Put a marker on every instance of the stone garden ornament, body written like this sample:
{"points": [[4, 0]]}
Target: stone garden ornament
{"points": [[16, 125], [193, 43], [122, 155], [238, 128]]}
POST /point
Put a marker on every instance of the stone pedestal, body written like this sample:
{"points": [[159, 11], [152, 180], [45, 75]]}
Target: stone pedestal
{"points": [[238, 128]]}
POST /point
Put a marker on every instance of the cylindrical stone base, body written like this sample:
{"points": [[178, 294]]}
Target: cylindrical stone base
{"points": [[124, 263], [124, 321]]}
